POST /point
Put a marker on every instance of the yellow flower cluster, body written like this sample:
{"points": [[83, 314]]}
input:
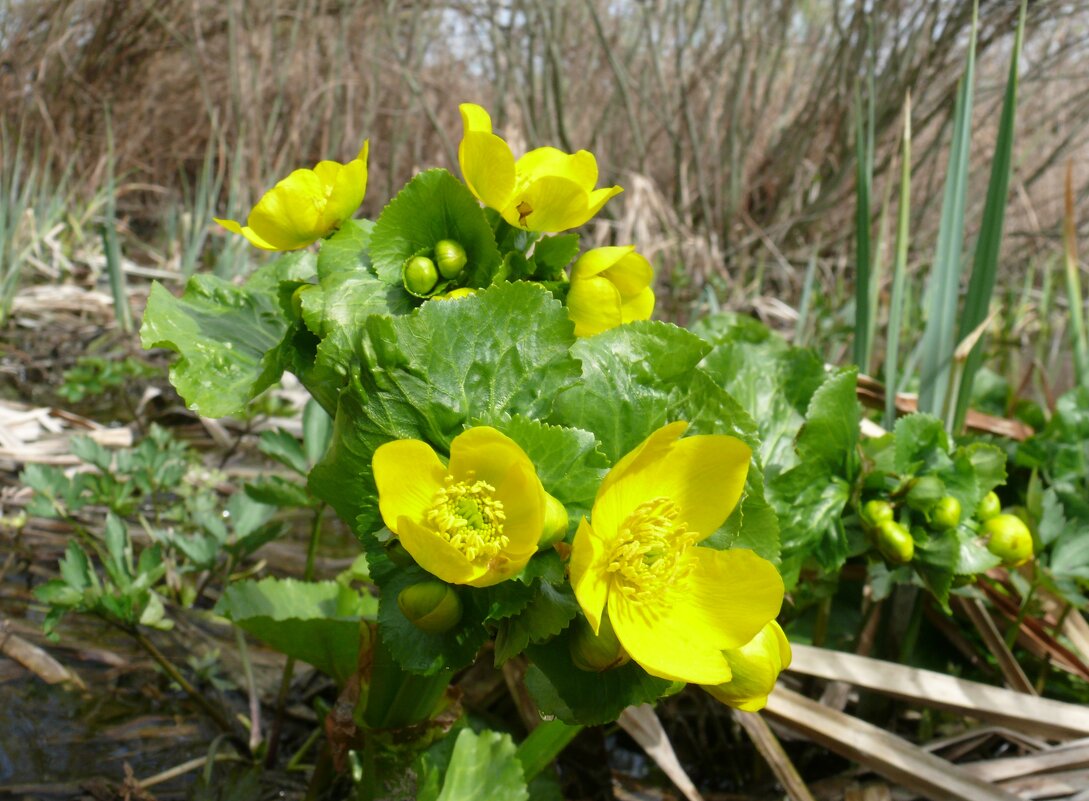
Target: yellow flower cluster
{"points": [[643, 579]]}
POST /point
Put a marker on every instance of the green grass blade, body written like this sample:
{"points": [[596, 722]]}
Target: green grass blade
{"points": [[1073, 285], [896, 301], [939, 341], [800, 333], [543, 745], [863, 183], [985, 264]]}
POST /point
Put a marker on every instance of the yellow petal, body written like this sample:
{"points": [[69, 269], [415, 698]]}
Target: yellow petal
{"points": [[663, 649], [580, 167], [485, 453], [727, 598], [327, 172], [408, 475], [588, 576], [756, 667], [346, 195], [503, 567], [524, 505], [631, 274], [638, 308], [247, 232], [703, 476], [593, 305], [289, 215], [437, 556], [598, 260], [599, 197], [475, 118], [555, 204]]}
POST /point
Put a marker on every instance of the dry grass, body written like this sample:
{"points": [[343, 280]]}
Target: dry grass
{"points": [[728, 121]]}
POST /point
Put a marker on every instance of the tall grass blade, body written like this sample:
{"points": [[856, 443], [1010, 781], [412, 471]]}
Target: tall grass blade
{"points": [[863, 255], [800, 333], [1073, 285], [899, 272], [110, 245], [938, 340], [985, 264]]}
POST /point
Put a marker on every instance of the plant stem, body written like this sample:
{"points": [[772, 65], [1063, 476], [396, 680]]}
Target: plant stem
{"points": [[214, 712]]}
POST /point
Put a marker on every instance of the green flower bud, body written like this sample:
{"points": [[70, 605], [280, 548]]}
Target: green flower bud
{"points": [[596, 652], [876, 512], [555, 525], [454, 294], [895, 542], [925, 492], [989, 507], [431, 606], [398, 554], [1009, 539], [450, 257], [419, 275], [946, 514]]}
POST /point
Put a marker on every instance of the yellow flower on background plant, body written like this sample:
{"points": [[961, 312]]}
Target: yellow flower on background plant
{"points": [[675, 606], [609, 286], [756, 667], [545, 190], [475, 521], [306, 205]]}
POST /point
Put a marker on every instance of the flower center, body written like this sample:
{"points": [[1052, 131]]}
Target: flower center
{"points": [[648, 559], [465, 514]]}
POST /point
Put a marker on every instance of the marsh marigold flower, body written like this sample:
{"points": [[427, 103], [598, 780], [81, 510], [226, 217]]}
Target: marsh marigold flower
{"points": [[609, 286], [544, 190], [475, 521], [306, 205], [756, 666], [675, 605]]}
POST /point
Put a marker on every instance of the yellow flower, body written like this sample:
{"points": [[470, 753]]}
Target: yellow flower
{"points": [[756, 667], [544, 190], [476, 521], [675, 606], [609, 286], [306, 205]]}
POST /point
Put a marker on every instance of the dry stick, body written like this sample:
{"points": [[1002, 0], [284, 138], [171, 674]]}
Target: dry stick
{"points": [[214, 712], [1011, 671], [772, 750]]}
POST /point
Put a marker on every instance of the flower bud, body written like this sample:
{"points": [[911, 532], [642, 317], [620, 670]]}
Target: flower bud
{"points": [[895, 542], [450, 258], [946, 514], [596, 652], [555, 525], [454, 294], [419, 275], [925, 491], [1009, 539], [989, 507], [876, 512], [431, 606]]}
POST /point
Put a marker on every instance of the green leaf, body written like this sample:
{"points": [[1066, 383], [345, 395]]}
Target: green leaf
{"points": [[75, 568], [434, 206], [346, 251], [920, 441], [282, 446], [414, 650], [936, 561], [830, 433], [544, 744], [233, 341], [568, 460], [553, 253], [577, 696], [549, 612], [316, 622], [278, 491], [484, 767], [432, 372]]}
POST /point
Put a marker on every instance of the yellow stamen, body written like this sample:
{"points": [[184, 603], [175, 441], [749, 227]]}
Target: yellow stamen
{"points": [[466, 515], [648, 559]]}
